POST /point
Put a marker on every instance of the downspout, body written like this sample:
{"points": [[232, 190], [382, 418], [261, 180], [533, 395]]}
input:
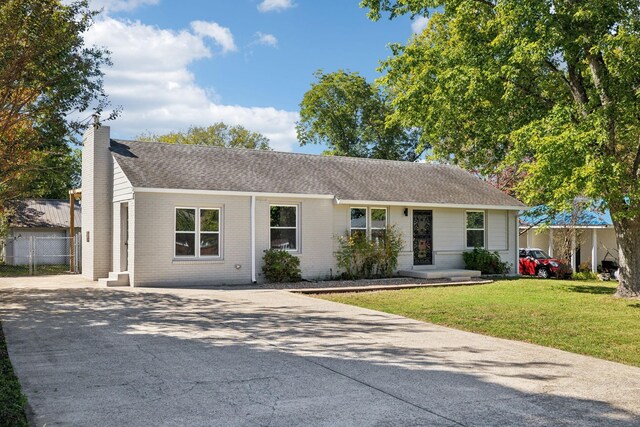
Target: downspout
{"points": [[253, 239]]}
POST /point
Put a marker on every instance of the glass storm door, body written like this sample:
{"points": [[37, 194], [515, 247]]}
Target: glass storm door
{"points": [[422, 237]]}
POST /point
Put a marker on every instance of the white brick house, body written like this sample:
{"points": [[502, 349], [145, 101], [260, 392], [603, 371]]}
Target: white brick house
{"points": [[167, 214]]}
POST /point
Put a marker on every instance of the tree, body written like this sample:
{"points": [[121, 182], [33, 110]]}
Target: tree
{"points": [[550, 87], [46, 75], [348, 114], [218, 134], [57, 173]]}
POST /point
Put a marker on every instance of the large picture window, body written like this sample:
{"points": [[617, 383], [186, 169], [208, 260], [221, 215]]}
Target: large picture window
{"points": [[370, 222], [284, 227], [197, 232], [475, 229]]}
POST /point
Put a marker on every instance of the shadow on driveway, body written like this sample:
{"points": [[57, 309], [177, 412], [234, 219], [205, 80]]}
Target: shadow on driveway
{"points": [[104, 357]]}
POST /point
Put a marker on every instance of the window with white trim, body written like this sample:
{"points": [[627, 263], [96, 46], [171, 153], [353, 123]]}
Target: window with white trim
{"points": [[358, 225], [378, 224], [197, 232], [368, 222], [475, 221], [283, 227]]}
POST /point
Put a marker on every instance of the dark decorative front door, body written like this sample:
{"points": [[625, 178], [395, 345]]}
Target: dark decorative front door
{"points": [[422, 237]]}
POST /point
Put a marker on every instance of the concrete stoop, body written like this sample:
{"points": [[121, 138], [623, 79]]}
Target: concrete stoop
{"points": [[115, 279], [454, 274]]}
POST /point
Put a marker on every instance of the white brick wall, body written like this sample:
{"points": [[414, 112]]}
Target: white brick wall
{"points": [[97, 191], [152, 261], [152, 242], [315, 244]]}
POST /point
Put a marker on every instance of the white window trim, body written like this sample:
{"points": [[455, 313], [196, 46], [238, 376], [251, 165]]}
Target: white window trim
{"points": [[197, 233], [484, 228], [368, 220], [386, 218], [297, 227]]}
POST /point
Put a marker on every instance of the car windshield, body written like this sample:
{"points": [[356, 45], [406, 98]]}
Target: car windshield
{"points": [[538, 254]]}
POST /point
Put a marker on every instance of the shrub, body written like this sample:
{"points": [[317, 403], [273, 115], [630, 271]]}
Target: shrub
{"points": [[485, 261], [584, 267], [584, 275], [280, 266], [361, 258]]}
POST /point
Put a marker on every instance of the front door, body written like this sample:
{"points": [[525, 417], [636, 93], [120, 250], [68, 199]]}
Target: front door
{"points": [[422, 237]]}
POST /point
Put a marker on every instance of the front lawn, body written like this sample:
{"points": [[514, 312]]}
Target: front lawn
{"points": [[581, 317]]}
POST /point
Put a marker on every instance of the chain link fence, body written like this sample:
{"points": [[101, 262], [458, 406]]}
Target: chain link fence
{"points": [[22, 256]]}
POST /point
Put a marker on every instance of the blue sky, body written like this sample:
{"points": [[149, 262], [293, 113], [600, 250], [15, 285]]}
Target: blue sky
{"points": [[249, 62]]}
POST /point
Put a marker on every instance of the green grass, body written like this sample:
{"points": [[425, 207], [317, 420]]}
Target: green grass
{"points": [[23, 270], [581, 317], [12, 401]]}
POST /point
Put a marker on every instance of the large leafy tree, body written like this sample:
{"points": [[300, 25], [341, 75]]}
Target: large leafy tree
{"points": [[218, 134], [47, 75], [550, 87], [347, 114]]}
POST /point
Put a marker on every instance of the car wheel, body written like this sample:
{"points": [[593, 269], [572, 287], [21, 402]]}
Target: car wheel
{"points": [[543, 273]]}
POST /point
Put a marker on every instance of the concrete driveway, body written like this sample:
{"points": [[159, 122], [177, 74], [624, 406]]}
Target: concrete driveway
{"points": [[105, 357]]}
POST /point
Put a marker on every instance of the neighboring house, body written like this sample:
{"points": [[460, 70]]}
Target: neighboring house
{"points": [[39, 231], [595, 238], [169, 214]]}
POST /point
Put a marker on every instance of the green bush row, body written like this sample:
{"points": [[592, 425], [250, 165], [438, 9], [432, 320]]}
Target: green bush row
{"points": [[362, 258]]}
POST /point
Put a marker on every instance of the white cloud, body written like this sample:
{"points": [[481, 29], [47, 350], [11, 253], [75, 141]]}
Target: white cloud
{"points": [[265, 39], [419, 24], [275, 5], [221, 35], [120, 5], [150, 78]]}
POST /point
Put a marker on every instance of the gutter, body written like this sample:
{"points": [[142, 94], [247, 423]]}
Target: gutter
{"points": [[253, 238]]}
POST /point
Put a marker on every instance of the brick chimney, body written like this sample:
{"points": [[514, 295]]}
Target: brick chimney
{"points": [[97, 194]]}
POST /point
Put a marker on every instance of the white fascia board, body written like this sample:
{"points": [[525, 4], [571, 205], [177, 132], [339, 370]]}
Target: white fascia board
{"points": [[426, 205], [230, 193]]}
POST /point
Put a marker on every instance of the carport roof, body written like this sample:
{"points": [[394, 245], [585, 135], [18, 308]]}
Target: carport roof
{"points": [[153, 165]]}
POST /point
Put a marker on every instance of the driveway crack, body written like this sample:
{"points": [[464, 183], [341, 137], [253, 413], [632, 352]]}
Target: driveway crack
{"points": [[342, 374]]}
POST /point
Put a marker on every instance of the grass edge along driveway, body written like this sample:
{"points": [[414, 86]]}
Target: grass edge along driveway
{"points": [[577, 316], [12, 401]]}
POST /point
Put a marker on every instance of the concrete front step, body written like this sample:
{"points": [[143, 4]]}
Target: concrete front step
{"points": [[452, 274], [115, 279]]}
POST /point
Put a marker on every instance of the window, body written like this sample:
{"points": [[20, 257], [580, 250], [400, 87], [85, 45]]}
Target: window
{"points": [[209, 232], [284, 227], [475, 229], [358, 222], [197, 225], [373, 225], [378, 224]]}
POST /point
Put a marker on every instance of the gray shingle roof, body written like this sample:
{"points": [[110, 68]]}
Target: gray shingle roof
{"points": [[42, 213], [194, 167]]}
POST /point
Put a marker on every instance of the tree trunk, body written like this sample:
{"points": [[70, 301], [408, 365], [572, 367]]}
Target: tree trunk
{"points": [[628, 236]]}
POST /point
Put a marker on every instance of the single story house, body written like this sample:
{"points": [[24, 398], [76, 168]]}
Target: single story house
{"points": [[168, 214], [39, 232], [594, 240]]}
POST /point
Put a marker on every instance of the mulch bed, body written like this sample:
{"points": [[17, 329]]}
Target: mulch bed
{"points": [[351, 283]]}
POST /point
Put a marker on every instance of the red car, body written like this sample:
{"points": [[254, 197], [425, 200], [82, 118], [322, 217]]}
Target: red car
{"points": [[536, 262]]}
